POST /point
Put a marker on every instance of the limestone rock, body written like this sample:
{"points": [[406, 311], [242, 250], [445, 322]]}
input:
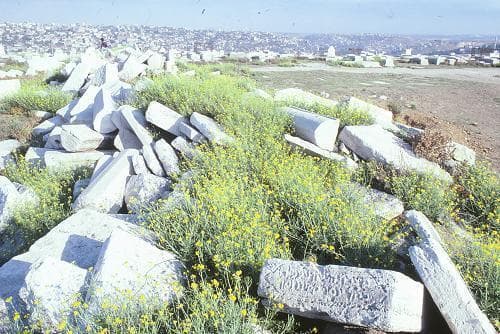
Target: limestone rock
{"points": [[164, 118], [126, 139], [380, 299], [83, 111], [63, 160], [298, 95], [8, 200], [105, 193], [376, 144], [77, 78], [79, 186], [7, 147], [8, 87], [139, 165], [53, 139], [36, 156], [48, 125], [49, 297], [191, 133], [132, 68], [209, 128], [129, 263], [149, 156], [107, 73], [319, 130], [80, 138], [144, 189], [385, 206], [167, 157], [103, 108], [316, 151], [379, 115], [462, 153], [156, 61], [43, 115], [132, 119], [184, 147], [101, 165], [448, 290], [423, 226]]}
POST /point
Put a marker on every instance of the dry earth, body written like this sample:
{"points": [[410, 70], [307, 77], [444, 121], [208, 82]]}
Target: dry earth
{"points": [[463, 102]]}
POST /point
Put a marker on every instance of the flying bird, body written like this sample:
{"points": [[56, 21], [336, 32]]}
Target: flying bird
{"points": [[203, 11]]}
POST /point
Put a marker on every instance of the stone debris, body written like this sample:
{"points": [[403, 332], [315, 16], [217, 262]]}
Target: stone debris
{"points": [[79, 186], [53, 139], [64, 160], [151, 159], [48, 125], [101, 165], [7, 148], [107, 73], [139, 165], [43, 115], [83, 111], [164, 118], [374, 298], [167, 157], [184, 147], [132, 68], [48, 297], [191, 133], [320, 130], [296, 95], [105, 193], [385, 206], [80, 138], [316, 151], [379, 115], [144, 189], [77, 78], [373, 143], [36, 156], [210, 129], [140, 268], [133, 119], [103, 108]]}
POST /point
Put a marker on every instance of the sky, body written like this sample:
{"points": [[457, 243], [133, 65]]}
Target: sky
{"points": [[431, 17]]}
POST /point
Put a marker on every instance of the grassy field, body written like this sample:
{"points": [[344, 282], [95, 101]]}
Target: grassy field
{"points": [[258, 198]]}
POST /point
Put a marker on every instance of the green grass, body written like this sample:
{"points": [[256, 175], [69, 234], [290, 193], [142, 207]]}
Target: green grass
{"points": [[35, 95]]}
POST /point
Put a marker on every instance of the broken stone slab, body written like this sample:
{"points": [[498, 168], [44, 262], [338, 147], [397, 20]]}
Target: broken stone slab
{"points": [[101, 165], [6, 326], [191, 133], [121, 92], [462, 153], [43, 115], [256, 92], [126, 139], [167, 157], [77, 78], [105, 193], [297, 95], [210, 129], [144, 189], [13, 196], [316, 151], [149, 156], [139, 165], [448, 290], [129, 263], [373, 143], [184, 147], [53, 139], [78, 240], [79, 186], [103, 108], [384, 205], [48, 125], [422, 226], [319, 130], [107, 73], [9, 87], [35, 156], [379, 115], [132, 68], [374, 298], [165, 118], [83, 111], [409, 133], [7, 148], [142, 84], [127, 117], [63, 160], [48, 297], [156, 61], [80, 138]]}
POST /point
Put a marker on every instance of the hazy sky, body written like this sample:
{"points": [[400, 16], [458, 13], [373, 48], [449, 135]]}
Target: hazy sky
{"points": [[336, 16]]}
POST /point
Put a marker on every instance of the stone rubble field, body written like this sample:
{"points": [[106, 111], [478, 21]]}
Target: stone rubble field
{"points": [[134, 166]]}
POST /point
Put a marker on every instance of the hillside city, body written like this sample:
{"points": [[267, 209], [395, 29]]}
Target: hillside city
{"points": [[76, 38]]}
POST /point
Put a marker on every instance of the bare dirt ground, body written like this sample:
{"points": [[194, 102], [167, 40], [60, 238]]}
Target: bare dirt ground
{"points": [[463, 102]]}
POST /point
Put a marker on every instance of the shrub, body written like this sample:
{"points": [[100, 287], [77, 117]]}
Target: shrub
{"points": [[424, 193], [54, 190], [479, 189], [432, 145], [35, 95]]}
